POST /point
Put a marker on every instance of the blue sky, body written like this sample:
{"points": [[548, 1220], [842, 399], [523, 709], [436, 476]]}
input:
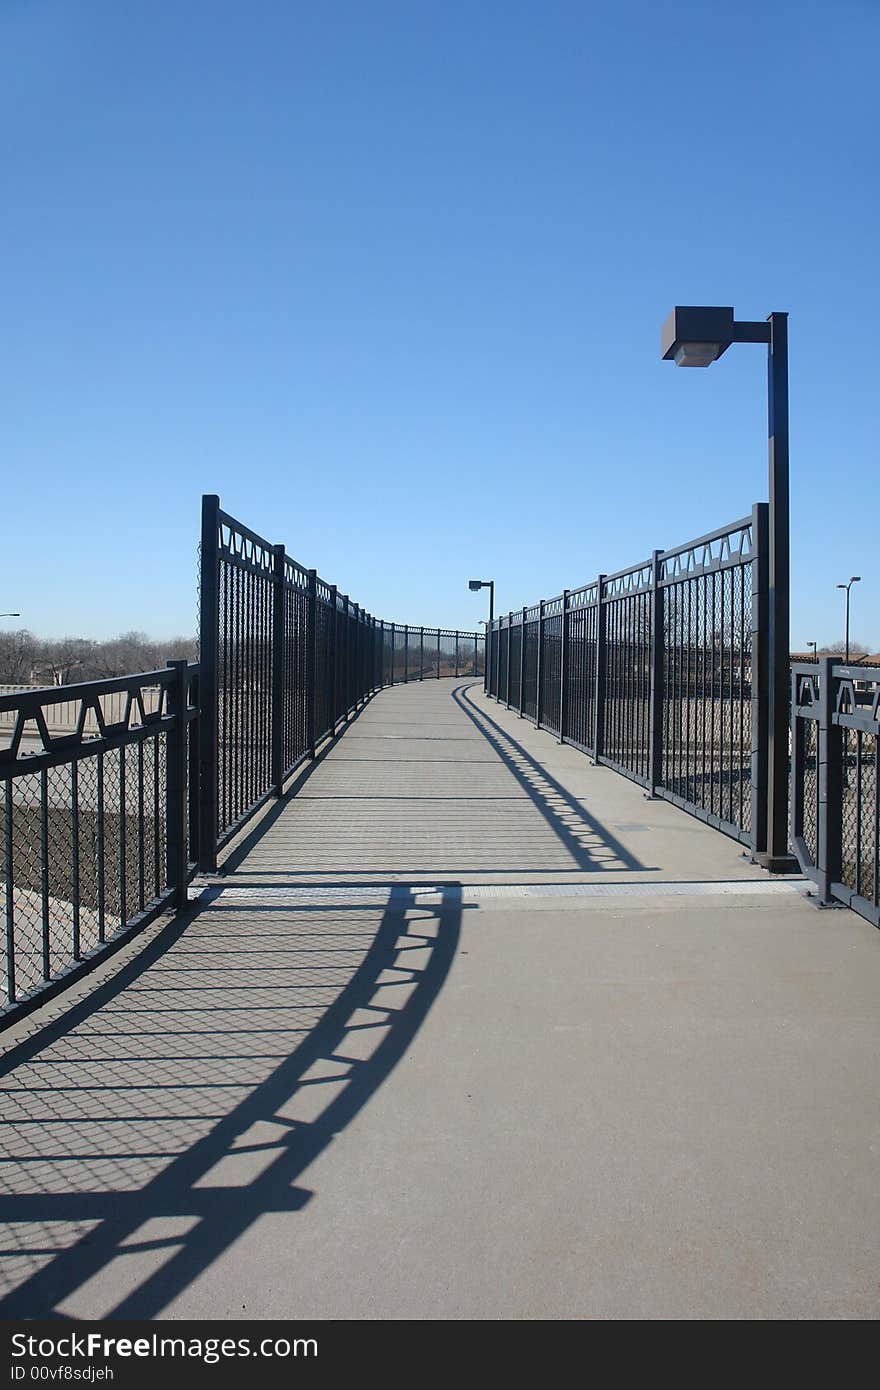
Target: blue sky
{"points": [[389, 277]]}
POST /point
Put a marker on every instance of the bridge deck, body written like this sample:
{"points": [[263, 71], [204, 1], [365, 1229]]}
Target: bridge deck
{"points": [[468, 1028]]}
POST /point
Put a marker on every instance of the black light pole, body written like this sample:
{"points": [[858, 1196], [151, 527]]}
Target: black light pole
{"points": [[475, 585], [696, 337], [856, 579], [813, 645]]}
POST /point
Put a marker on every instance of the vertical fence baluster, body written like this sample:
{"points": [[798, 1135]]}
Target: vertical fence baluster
{"points": [[278, 654], [507, 665], [10, 896], [655, 725], [563, 669], [102, 905], [209, 601], [175, 785], [760, 674], [539, 669], [311, 661], [798, 757], [598, 730], [44, 871], [830, 783]]}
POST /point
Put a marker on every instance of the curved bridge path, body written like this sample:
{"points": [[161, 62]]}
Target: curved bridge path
{"points": [[468, 1028]]}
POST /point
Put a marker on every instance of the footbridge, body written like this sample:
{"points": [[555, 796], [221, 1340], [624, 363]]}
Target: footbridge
{"points": [[473, 1000]]}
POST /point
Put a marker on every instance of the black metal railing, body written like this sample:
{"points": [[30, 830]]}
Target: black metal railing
{"points": [[658, 671], [835, 803], [103, 828], [97, 825], [286, 659]]}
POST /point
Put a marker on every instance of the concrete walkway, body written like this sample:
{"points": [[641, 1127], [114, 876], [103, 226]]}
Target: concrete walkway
{"points": [[467, 1029]]}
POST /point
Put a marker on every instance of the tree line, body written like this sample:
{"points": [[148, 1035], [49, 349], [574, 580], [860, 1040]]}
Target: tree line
{"points": [[26, 659]]}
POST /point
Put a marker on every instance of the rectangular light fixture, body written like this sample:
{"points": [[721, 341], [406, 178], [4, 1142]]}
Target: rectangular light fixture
{"points": [[694, 336], [696, 354]]}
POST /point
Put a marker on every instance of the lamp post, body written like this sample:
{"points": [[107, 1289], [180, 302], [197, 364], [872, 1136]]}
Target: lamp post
{"points": [[813, 645], [854, 579], [696, 337], [475, 585]]}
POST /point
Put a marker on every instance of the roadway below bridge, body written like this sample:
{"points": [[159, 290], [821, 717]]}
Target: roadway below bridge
{"points": [[465, 1028]]}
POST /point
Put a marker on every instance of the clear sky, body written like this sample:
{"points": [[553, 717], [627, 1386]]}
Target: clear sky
{"points": [[389, 276]]}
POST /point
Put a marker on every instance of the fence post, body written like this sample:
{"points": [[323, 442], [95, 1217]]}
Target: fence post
{"points": [[601, 655], [346, 654], [406, 654], [209, 642], [334, 608], [421, 653], [522, 665], [358, 614], [760, 674], [361, 620], [798, 754], [277, 734], [539, 674], [658, 654], [507, 689], [456, 652], [311, 661], [438, 653], [563, 668], [830, 778], [176, 864]]}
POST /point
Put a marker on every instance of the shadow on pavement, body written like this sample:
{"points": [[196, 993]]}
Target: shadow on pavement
{"points": [[151, 1127]]}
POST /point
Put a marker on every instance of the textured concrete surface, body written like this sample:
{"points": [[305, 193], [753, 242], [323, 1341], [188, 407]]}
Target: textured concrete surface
{"points": [[468, 1029]]}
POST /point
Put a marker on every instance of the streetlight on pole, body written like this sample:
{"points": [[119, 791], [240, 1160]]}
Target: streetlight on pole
{"points": [[696, 337], [813, 645], [854, 579], [475, 585]]}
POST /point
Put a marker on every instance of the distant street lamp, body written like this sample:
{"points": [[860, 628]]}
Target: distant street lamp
{"points": [[855, 579], [813, 645], [475, 585], [696, 337]]}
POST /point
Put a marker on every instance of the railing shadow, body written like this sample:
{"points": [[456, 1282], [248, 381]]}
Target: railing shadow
{"points": [[588, 840], [152, 1126]]}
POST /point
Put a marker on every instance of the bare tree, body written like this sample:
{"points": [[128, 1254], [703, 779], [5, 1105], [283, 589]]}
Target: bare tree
{"points": [[18, 651], [839, 648], [28, 660]]}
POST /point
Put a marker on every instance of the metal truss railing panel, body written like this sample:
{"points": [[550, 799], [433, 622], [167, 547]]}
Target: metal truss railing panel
{"points": [[551, 670], [628, 682], [652, 669], [580, 677], [529, 691], [726, 548], [244, 682], [707, 692], [97, 827], [499, 662], [286, 658], [835, 804], [294, 703]]}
